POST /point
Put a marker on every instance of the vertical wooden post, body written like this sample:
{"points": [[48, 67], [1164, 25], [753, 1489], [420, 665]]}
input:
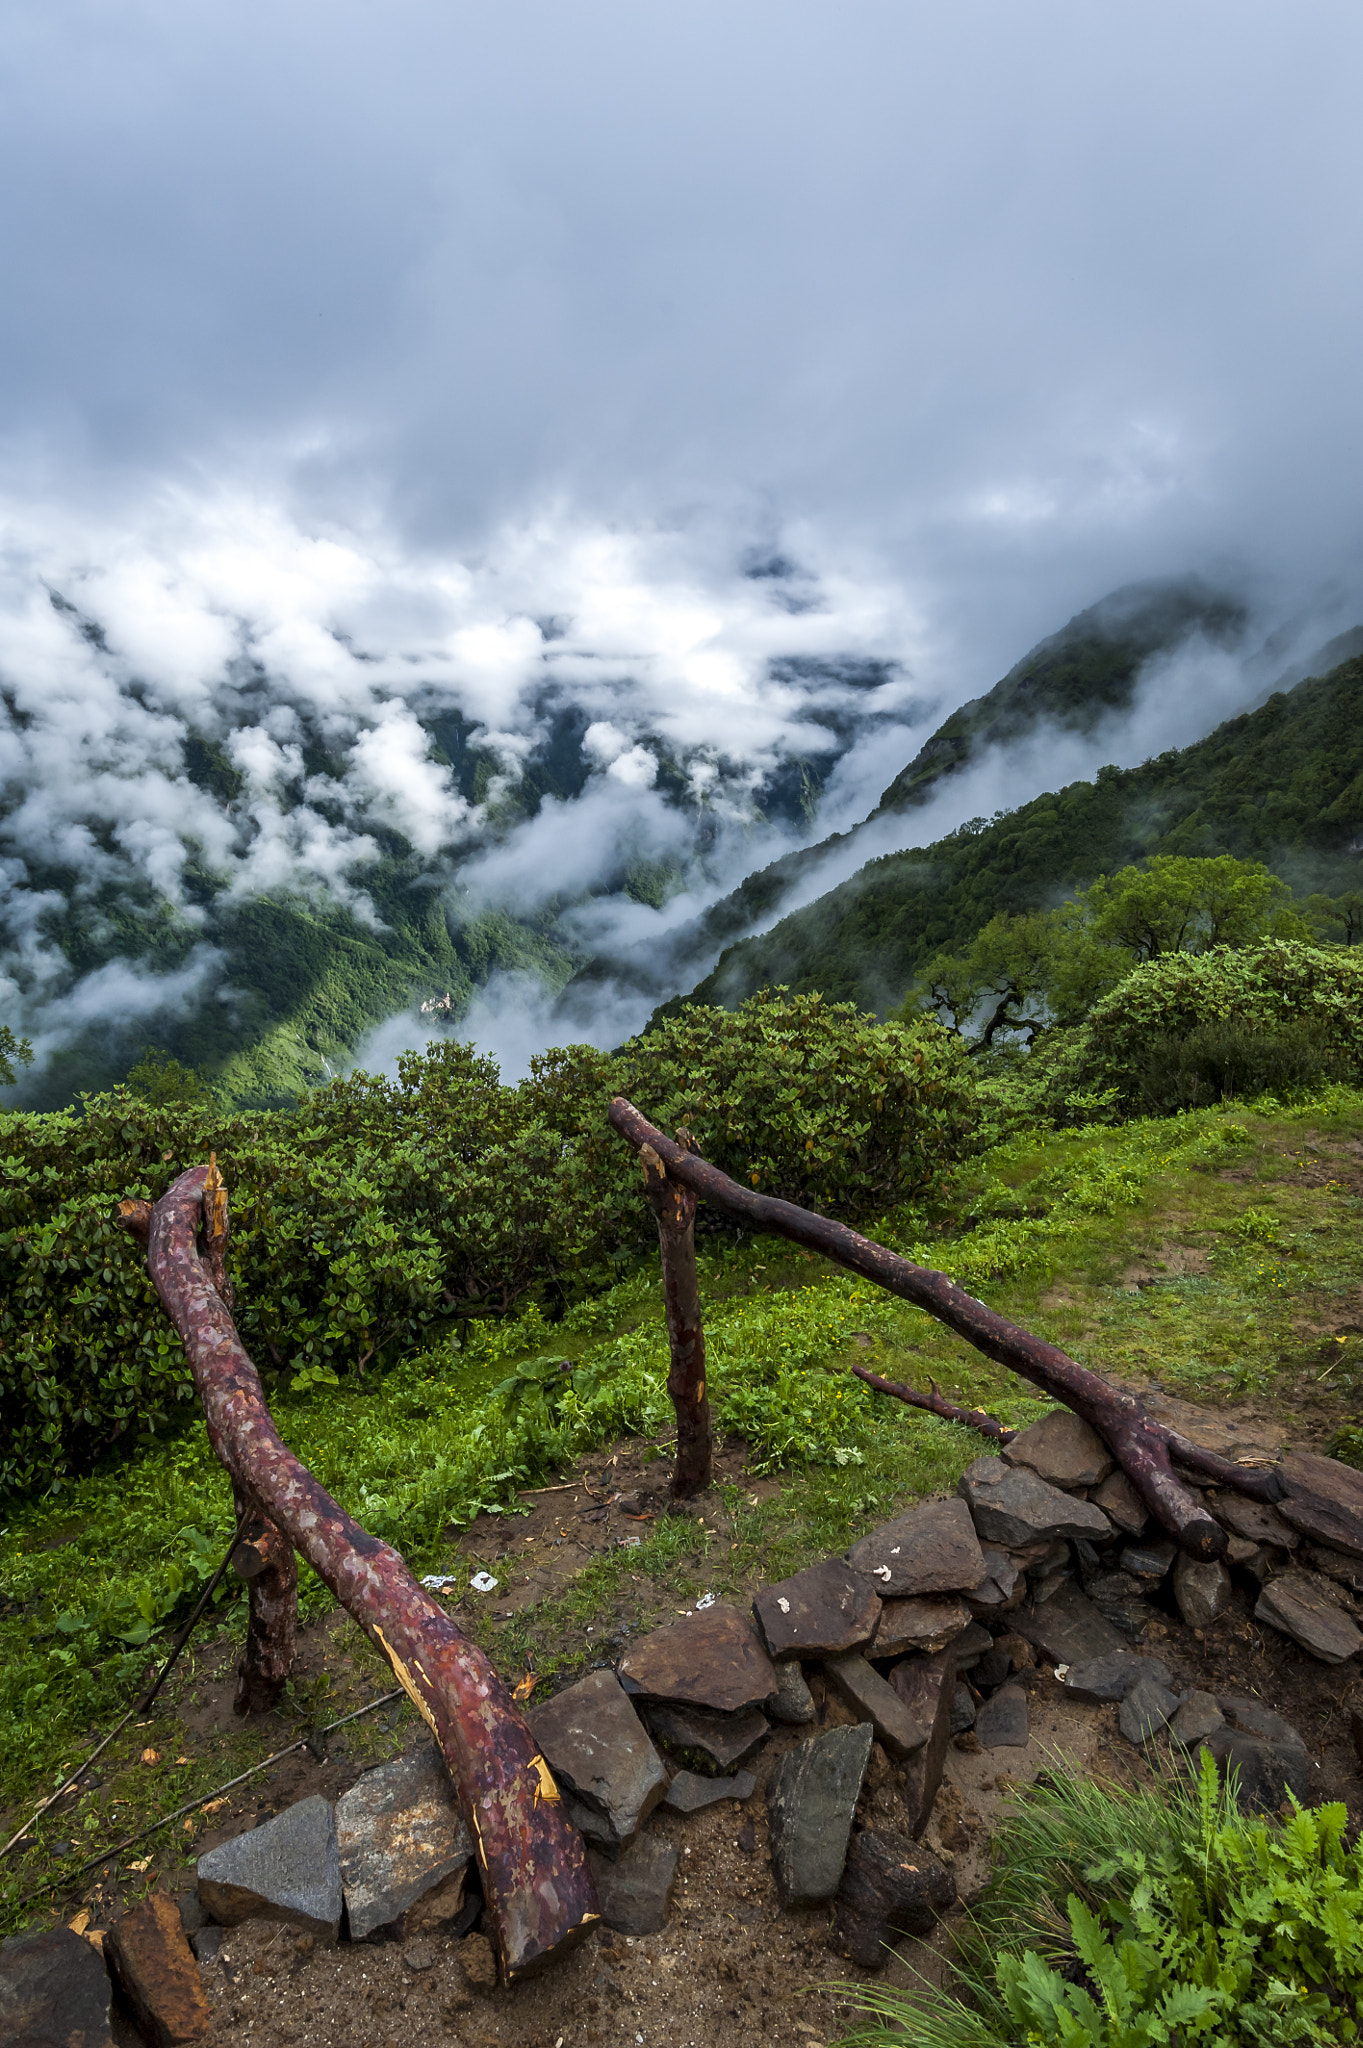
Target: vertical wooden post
{"points": [[265, 1559], [674, 1211]]}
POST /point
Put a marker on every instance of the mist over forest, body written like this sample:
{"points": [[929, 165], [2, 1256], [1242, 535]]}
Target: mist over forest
{"points": [[532, 492]]}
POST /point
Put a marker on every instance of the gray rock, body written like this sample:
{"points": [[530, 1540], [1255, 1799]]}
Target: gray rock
{"points": [[818, 1613], [597, 1749], [1198, 1717], [402, 1844], [889, 1887], [1120, 1598], [206, 1941], [1252, 1717], [1324, 1500], [718, 1742], [634, 1889], [54, 1991], [714, 1658], [926, 1685], [1149, 1560], [1203, 1591], [1003, 1587], [1063, 1450], [962, 1710], [932, 1549], [287, 1869], [993, 1668], [690, 1793], [1265, 1772], [925, 1621], [1067, 1628], [1001, 1723], [1346, 1571], [1298, 1604], [811, 1798], [1255, 1521], [192, 1914], [971, 1645], [1148, 1707], [1121, 1503], [872, 1698], [1239, 1550], [1010, 1505], [1111, 1677], [792, 1701]]}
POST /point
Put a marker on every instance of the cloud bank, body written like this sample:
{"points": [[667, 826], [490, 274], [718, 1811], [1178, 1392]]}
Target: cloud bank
{"points": [[410, 403]]}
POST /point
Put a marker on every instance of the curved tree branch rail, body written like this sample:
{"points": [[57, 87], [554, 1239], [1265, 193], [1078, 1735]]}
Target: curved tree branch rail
{"points": [[1144, 1448], [536, 1882]]}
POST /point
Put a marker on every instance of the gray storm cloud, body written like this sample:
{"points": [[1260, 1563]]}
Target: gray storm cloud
{"points": [[362, 366]]}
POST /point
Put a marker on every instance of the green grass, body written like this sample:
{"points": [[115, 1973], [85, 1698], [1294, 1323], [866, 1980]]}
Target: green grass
{"points": [[1133, 1919], [1050, 1229]]}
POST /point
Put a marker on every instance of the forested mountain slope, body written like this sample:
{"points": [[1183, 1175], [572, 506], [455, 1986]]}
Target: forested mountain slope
{"points": [[1283, 784], [1089, 671]]}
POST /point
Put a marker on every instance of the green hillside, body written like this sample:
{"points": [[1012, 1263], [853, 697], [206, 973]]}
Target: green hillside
{"points": [[1086, 672], [1283, 784], [1081, 675]]}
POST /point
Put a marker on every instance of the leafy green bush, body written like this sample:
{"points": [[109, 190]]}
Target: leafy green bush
{"points": [[1228, 1057], [808, 1100], [380, 1211], [1275, 986], [1129, 1919]]}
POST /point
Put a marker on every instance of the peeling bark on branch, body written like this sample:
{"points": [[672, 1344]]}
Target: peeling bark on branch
{"points": [[1140, 1445], [674, 1211], [536, 1881]]}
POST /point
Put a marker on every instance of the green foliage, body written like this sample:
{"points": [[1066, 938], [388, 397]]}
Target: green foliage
{"points": [[1229, 1057], [1182, 1921], [1280, 1004], [12, 1049], [161, 1080], [811, 1101], [1282, 785], [1057, 964], [378, 1212]]}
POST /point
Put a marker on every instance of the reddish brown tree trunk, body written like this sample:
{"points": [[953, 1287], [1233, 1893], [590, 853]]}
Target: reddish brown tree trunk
{"points": [[1141, 1446], [536, 1882], [674, 1211], [265, 1559]]}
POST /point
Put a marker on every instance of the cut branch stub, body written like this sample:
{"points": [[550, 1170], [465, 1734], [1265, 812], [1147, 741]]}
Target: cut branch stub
{"points": [[1140, 1445], [536, 1881], [674, 1211]]}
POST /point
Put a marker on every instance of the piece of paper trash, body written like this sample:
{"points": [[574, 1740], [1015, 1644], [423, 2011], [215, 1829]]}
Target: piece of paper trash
{"points": [[882, 1571], [439, 1582], [706, 1600], [1062, 1670], [483, 1582], [783, 1603]]}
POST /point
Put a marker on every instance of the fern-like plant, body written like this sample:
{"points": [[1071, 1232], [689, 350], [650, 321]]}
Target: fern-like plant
{"points": [[1183, 1922]]}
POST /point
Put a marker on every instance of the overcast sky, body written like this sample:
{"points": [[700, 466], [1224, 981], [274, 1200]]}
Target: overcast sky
{"points": [[1021, 300], [413, 323]]}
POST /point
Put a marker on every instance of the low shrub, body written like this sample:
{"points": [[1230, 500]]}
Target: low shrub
{"points": [[1120, 1919], [1231, 1057], [381, 1210]]}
